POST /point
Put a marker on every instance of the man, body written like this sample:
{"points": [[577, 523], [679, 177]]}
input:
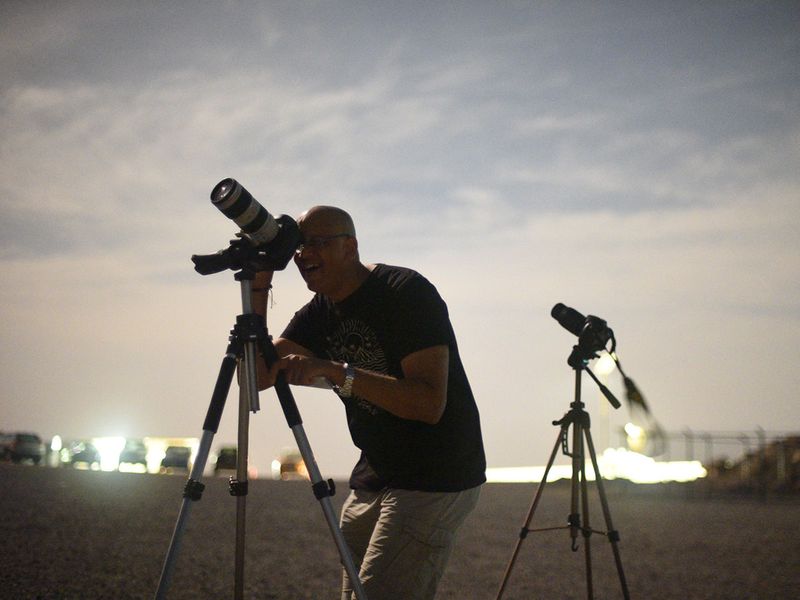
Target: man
{"points": [[382, 338]]}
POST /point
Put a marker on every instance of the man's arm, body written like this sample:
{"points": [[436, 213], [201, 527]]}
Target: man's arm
{"points": [[420, 395], [283, 347], [259, 296]]}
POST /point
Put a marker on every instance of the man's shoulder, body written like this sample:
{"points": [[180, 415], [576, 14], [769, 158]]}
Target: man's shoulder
{"points": [[397, 277], [405, 287]]}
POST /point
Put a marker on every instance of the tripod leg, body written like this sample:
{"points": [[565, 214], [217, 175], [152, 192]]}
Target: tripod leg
{"points": [[577, 468], [249, 327], [524, 531], [613, 534], [193, 490], [573, 416], [587, 528], [322, 490], [248, 401], [239, 489]]}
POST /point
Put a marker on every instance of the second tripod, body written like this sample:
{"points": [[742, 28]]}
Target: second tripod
{"points": [[576, 419]]}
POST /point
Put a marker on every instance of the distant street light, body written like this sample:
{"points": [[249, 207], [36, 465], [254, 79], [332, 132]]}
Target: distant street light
{"points": [[637, 437], [603, 367]]}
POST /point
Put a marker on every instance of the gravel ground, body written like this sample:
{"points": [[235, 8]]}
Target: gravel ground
{"points": [[76, 534]]}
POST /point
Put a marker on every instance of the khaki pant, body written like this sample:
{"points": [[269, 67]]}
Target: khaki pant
{"points": [[401, 539]]}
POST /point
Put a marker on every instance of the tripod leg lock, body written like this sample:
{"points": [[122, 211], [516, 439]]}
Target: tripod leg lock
{"points": [[237, 488], [193, 490], [323, 489], [613, 536], [574, 520]]}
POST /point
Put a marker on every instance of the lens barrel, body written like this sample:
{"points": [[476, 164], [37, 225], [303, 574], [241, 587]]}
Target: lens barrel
{"points": [[238, 204], [569, 318]]}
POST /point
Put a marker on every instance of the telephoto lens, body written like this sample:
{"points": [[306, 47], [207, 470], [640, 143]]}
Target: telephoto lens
{"points": [[237, 204], [569, 318]]}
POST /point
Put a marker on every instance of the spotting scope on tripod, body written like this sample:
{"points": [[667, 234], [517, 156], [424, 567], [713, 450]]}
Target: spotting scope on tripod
{"points": [[263, 244], [594, 335]]}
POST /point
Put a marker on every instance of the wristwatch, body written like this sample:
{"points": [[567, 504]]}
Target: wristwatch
{"points": [[346, 389]]}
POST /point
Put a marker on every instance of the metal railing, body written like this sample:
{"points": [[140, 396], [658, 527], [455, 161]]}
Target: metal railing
{"points": [[749, 461]]}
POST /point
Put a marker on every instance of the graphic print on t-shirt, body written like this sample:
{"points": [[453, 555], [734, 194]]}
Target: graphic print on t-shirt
{"points": [[354, 342]]}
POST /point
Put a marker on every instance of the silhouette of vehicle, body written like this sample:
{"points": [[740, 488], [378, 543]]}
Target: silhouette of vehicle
{"points": [[20, 447], [83, 453], [176, 457], [134, 453], [226, 459], [289, 465], [5, 445]]}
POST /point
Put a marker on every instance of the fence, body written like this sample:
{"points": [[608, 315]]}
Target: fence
{"points": [[747, 461]]}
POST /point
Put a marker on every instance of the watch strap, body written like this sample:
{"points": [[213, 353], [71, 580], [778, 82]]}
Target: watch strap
{"points": [[346, 389]]}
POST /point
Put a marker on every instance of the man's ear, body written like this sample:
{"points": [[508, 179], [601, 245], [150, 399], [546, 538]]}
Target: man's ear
{"points": [[351, 244]]}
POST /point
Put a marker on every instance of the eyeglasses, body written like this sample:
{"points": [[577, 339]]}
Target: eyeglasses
{"points": [[319, 241]]}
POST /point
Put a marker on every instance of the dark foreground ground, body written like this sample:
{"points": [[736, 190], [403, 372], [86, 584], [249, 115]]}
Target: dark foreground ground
{"points": [[74, 534]]}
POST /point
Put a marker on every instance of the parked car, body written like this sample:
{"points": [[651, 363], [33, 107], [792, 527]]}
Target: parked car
{"points": [[5, 445], [226, 459], [289, 465], [20, 447], [82, 453], [176, 457], [134, 453]]}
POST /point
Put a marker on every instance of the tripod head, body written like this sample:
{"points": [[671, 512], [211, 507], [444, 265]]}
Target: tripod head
{"points": [[243, 254], [594, 335]]}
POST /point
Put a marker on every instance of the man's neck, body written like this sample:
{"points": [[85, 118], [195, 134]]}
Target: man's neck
{"points": [[353, 281]]}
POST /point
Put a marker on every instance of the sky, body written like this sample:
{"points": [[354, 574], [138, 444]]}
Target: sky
{"points": [[638, 161]]}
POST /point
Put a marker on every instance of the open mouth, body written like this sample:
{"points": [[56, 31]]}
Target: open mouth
{"points": [[309, 269]]}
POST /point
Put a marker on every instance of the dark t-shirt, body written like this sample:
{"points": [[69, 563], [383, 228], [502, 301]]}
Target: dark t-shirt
{"points": [[394, 313]]}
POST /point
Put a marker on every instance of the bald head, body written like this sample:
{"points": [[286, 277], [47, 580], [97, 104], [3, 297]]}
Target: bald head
{"points": [[328, 256], [329, 218]]}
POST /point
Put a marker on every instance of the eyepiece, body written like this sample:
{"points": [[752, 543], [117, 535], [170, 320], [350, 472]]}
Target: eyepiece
{"points": [[238, 204]]}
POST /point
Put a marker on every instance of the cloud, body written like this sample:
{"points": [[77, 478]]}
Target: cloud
{"points": [[625, 167]]}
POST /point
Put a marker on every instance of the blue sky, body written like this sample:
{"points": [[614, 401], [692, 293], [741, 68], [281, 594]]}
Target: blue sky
{"points": [[638, 161]]}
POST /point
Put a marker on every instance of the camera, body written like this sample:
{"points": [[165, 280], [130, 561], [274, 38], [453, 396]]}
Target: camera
{"points": [[593, 332], [265, 243]]}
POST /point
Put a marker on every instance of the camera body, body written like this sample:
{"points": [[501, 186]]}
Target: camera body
{"points": [[593, 332], [594, 335]]}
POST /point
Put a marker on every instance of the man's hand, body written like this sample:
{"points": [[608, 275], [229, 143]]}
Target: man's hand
{"points": [[306, 370], [285, 348]]}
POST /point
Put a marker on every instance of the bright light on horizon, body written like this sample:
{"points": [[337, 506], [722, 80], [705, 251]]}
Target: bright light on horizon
{"points": [[109, 449], [614, 463]]}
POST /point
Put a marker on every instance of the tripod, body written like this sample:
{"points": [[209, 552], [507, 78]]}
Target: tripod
{"points": [[578, 419], [248, 337]]}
